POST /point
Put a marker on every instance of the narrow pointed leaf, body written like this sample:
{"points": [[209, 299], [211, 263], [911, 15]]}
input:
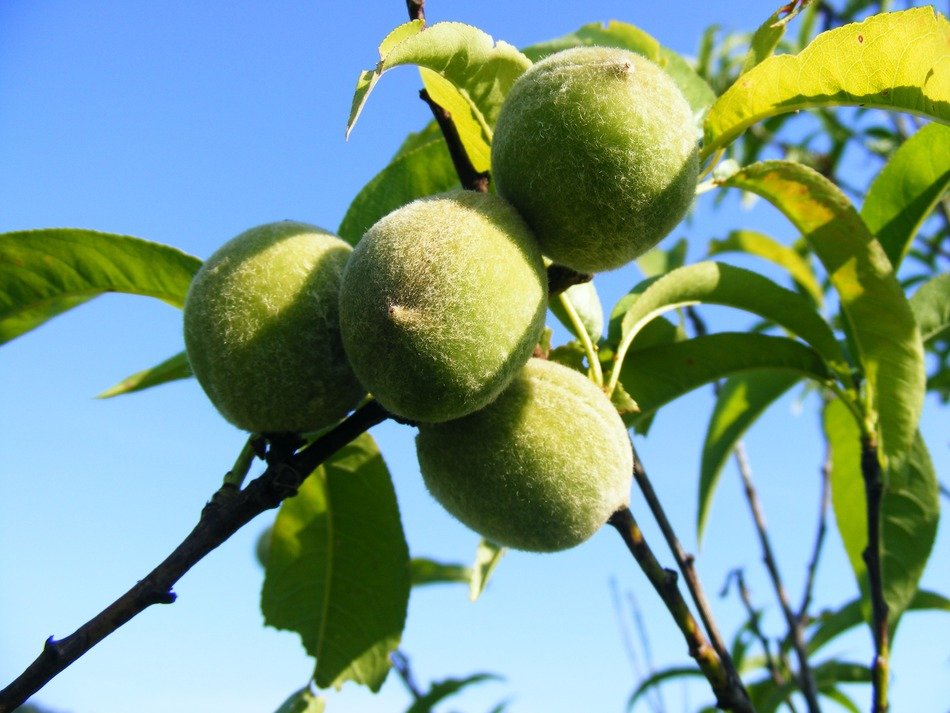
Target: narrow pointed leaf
{"points": [[740, 402], [487, 557], [881, 325], [910, 509], [623, 35], [650, 682], [421, 171], [338, 568], [906, 190], [753, 243], [440, 690], [931, 307], [480, 70], [657, 375], [767, 37], [172, 369], [891, 61], [849, 616], [427, 571], [46, 272], [719, 283]]}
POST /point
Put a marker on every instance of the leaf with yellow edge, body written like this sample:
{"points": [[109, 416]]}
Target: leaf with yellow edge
{"points": [[898, 61], [478, 71], [880, 323], [753, 243]]}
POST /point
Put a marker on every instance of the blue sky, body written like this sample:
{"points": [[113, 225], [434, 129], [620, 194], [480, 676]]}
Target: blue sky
{"points": [[186, 123]]}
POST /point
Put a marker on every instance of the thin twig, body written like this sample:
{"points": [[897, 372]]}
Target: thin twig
{"points": [[684, 561], [730, 694], [755, 617], [823, 507], [647, 649], [228, 511], [874, 493], [806, 679]]}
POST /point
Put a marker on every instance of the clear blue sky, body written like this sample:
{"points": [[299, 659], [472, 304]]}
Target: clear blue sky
{"points": [[187, 123]]}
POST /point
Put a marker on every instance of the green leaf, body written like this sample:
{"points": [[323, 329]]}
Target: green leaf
{"points": [[656, 375], [910, 509], [625, 36], [659, 261], [441, 690], [879, 320], [421, 171], [487, 557], [475, 67], [719, 283], [753, 243], [768, 696], [931, 307], [906, 190], [586, 302], [427, 571], [766, 38], [338, 568], [303, 701], [740, 402], [46, 272], [172, 369], [658, 678], [888, 61], [833, 624]]}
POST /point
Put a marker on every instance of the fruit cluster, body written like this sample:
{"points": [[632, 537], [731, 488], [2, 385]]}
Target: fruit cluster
{"points": [[438, 309]]}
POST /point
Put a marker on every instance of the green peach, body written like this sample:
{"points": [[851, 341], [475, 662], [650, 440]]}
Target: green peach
{"points": [[442, 303], [262, 330], [541, 468], [597, 148]]}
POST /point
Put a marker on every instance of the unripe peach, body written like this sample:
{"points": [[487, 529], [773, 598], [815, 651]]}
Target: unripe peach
{"points": [[597, 148]]}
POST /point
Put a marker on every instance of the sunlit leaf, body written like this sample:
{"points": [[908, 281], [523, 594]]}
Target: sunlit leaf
{"points": [[931, 307], [906, 190], [628, 37], [487, 557], [480, 70], [657, 375], [889, 61], [421, 171], [341, 585], [833, 624], [427, 571], [740, 402], [767, 37], [753, 243], [880, 324], [172, 369], [46, 272], [910, 509], [440, 690], [303, 701], [719, 283]]}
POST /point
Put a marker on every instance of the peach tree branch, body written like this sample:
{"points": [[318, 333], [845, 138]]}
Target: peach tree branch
{"points": [[229, 509]]}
